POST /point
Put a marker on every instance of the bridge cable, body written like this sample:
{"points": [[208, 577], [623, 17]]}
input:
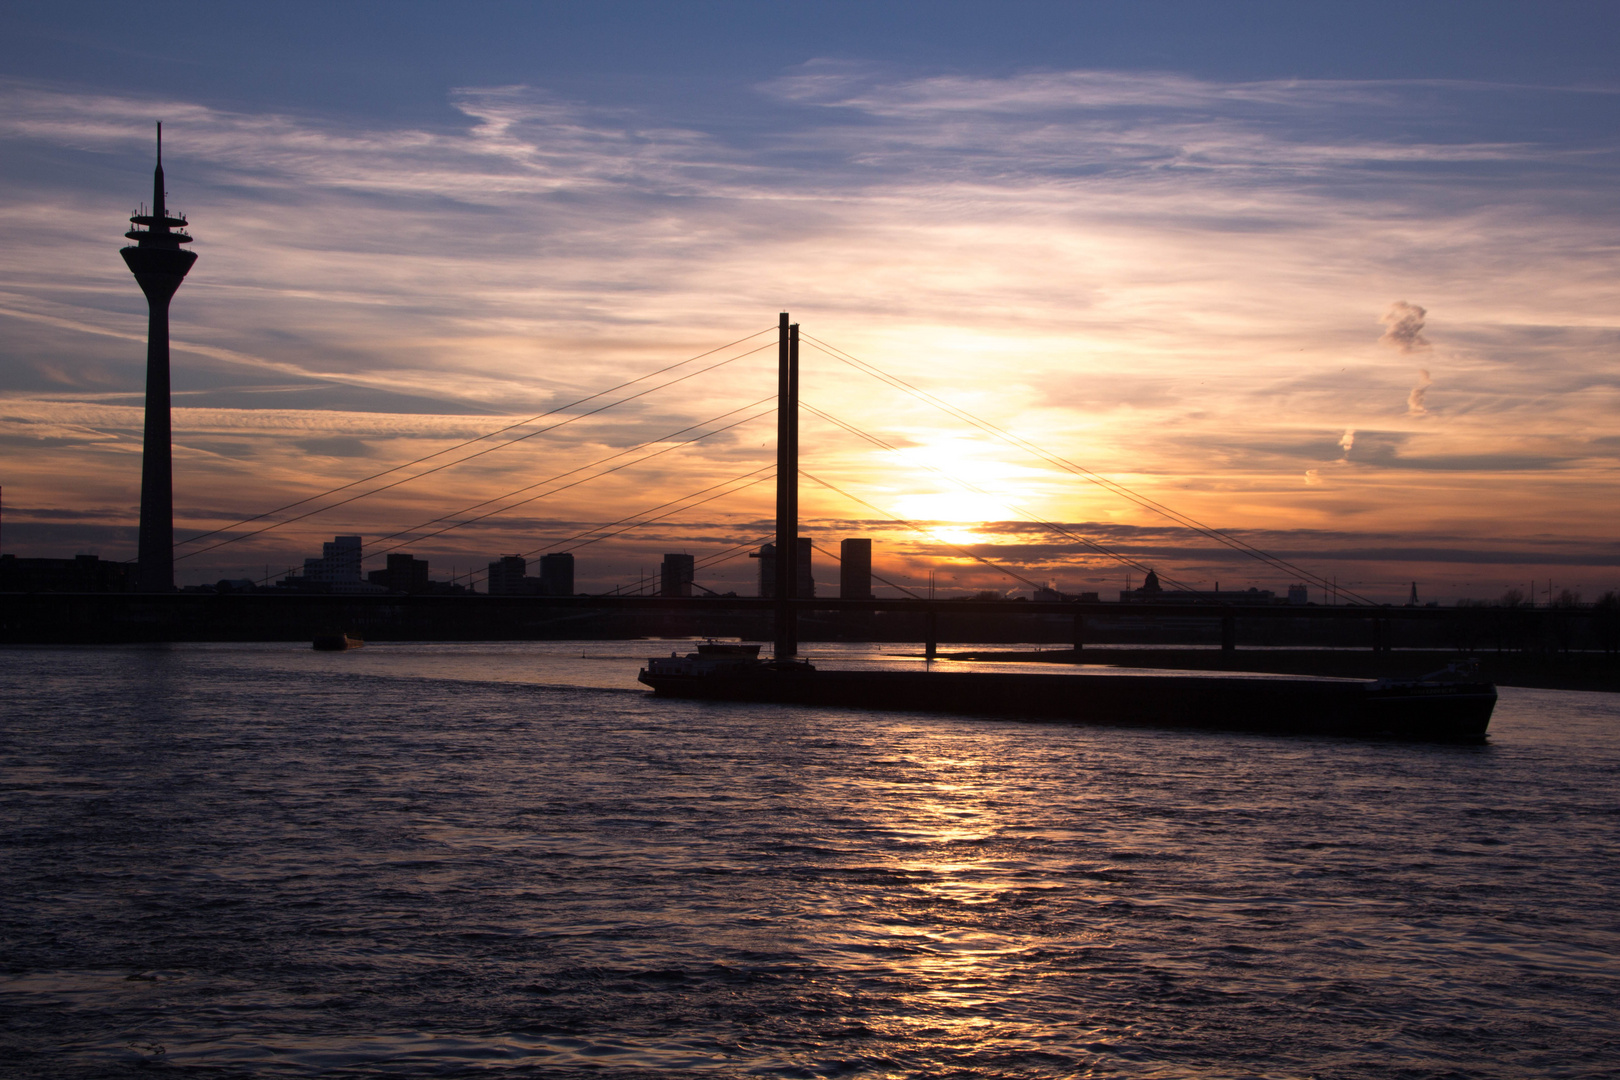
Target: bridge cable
{"points": [[752, 477], [730, 553], [571, 472], [469, 442], [727, 554], [886, 581], [1102, 549], [559, 476], [768, 469], [709, 560], [469, 457], [1147, 503], [1115, 487], [1015, 575]]}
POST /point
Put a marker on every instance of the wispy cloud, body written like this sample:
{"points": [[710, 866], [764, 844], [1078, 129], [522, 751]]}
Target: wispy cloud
{"points": [[1405, 322], [1415, 405], [1165, 278]]}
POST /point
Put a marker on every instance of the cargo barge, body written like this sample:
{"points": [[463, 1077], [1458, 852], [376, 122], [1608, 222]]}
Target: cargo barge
{"points": [[1447, 705]]}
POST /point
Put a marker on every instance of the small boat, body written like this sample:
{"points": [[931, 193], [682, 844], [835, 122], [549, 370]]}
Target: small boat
{"points": [[336, 642]]}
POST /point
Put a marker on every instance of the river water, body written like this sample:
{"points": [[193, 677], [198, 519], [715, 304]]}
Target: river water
{"points": [[506, 859]]}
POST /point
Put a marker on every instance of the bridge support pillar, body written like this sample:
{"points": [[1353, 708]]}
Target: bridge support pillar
{"points": [[1228, 633], [1079, 632], [931, 634]]}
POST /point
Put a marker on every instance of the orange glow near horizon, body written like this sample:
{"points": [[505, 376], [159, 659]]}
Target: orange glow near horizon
{"points": [[1219, 339]]}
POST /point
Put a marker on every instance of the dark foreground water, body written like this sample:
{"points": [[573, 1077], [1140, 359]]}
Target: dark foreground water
{"points": [[488, 860]]}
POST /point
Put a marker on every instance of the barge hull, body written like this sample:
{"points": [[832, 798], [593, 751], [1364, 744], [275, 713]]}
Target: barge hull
{"points": [[1425, 711]]}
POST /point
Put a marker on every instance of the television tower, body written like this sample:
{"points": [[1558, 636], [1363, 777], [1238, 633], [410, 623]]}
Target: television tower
{"points": [[159, 265]]}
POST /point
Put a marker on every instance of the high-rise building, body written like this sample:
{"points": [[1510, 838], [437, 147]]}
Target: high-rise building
{"points": [[675, 575], [506, 575], [339, 562], [403, 574], [855, 569], [159, 265], [767, 569], [557, 574]]}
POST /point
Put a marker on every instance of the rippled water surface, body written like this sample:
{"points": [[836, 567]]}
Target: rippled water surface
{"points": [[448, 860]]}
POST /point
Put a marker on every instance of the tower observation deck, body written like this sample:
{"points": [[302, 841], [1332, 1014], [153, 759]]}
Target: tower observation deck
{"points": [[159, 265]]}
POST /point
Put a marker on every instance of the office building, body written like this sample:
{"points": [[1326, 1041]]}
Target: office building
{"points": [[506, 575], [336, 571], [675, 575], [855, 569], [403, 574], [767, 570], [557, 574], [339, 563]]}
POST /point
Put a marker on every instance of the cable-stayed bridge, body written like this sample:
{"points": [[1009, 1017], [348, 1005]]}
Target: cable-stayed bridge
{"points": [[158, 613], [911, 615], [685, 378]]}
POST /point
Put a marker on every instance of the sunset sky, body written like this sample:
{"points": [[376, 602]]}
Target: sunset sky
{"points": [[1343, 280]]}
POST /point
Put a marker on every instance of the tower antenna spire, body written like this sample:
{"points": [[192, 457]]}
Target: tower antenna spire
{"points": [[159, 196]]}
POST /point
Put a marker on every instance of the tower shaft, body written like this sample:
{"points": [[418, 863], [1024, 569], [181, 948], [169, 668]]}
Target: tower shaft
{"points": [[154, 570], [787, 488]]}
